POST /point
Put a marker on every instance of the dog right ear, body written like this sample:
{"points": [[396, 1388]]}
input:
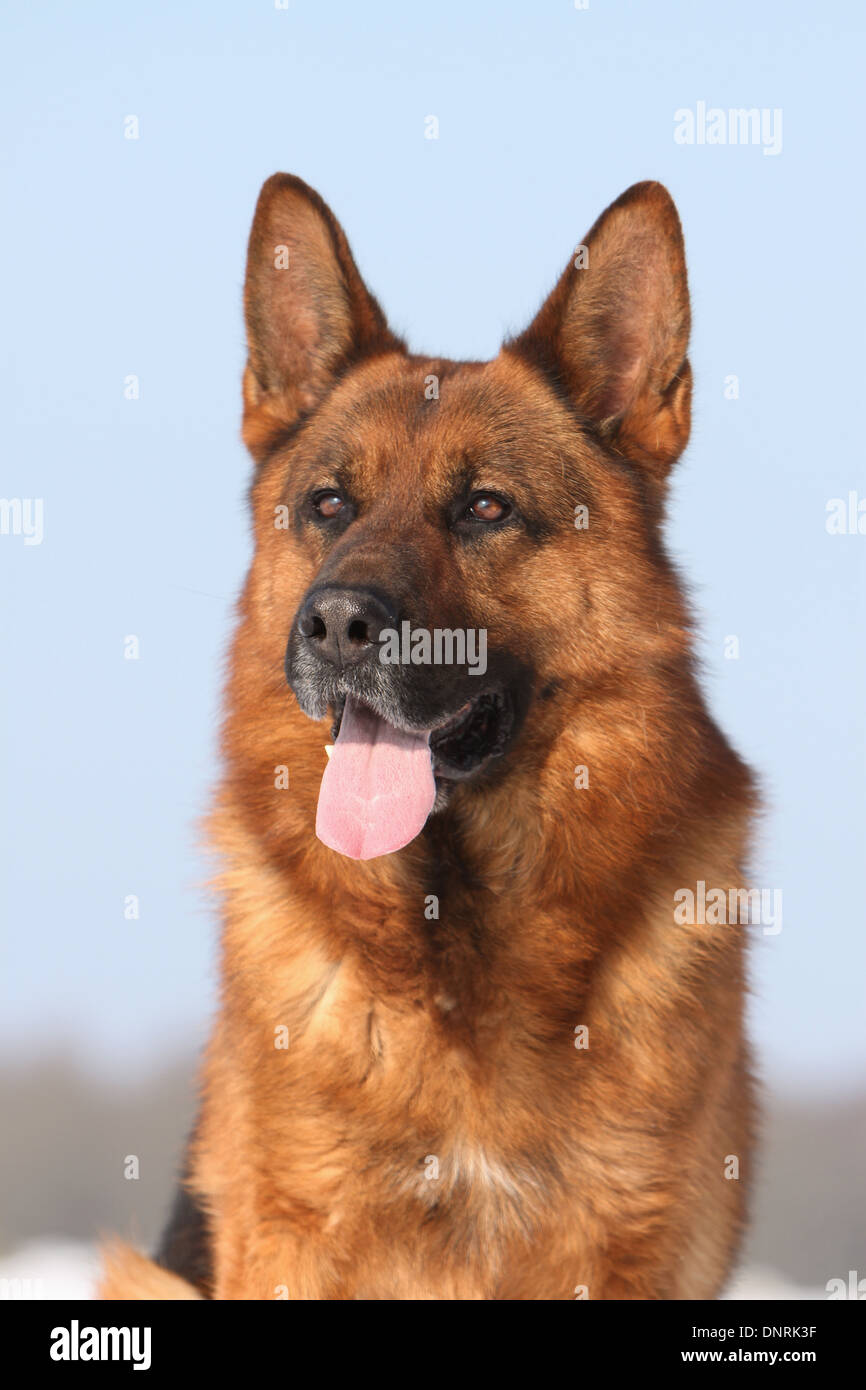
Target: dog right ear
{"points": [[615, 329], [308, 312]]}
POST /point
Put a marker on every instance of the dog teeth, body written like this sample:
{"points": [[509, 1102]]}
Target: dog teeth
{"points": [[329, 748]]}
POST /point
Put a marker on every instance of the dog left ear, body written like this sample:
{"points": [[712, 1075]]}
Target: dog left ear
{"points": [[308, 312], [615, 329]]}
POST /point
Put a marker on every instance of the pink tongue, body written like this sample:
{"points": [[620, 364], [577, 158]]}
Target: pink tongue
{"points": [[378, 788]]}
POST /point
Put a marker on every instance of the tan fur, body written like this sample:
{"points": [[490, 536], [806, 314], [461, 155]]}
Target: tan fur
{"points": [[431, 1131], [126, 1274]]}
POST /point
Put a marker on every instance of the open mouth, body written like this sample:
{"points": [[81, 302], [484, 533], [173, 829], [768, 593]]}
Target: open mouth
{"points": [[466, 740], [476, 733], [383, 780]]}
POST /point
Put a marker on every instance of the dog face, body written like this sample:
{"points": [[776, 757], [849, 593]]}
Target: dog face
{"points": [[443, 546]]}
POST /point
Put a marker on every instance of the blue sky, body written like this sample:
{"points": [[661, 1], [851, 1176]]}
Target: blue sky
{"points": [[125, 257]]}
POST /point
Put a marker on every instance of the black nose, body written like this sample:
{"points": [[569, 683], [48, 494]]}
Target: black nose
{"points": [[343, 625]]}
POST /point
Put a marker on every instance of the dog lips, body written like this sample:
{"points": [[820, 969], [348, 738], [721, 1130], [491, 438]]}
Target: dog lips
{"points": [[378, 788]]}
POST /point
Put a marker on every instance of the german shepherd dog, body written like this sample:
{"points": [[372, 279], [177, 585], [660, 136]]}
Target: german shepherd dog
{"points": [[466, 1048]]}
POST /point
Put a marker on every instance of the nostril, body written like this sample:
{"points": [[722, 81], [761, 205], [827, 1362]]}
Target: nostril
{"points": [[311, 625], [342, 624]]}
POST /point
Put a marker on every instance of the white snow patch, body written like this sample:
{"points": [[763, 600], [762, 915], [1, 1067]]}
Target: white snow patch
{"points": [[67, 1269], [760, 1284], [50, 1269]]}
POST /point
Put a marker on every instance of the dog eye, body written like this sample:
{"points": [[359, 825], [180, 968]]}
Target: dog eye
{"points": [[485, 506], [328, 504]]}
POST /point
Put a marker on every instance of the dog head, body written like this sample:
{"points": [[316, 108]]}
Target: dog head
{"points": [[444, 546]]}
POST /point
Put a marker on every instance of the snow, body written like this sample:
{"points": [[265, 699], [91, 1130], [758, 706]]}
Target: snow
{"points": [[65, 1269]]}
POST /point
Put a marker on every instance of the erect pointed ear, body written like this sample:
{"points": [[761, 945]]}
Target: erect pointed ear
{"points": [[308, 312], [615, 329]]}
